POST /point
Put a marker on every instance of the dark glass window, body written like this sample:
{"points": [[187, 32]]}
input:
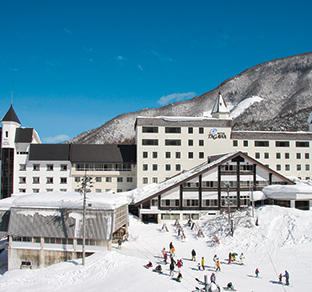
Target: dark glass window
{"points": [[281, 143], [148, 142], [262, 144], [173, 130], [149, 129], [172, 142], [302, 144]]}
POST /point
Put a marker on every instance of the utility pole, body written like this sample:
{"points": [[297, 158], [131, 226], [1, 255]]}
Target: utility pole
{"points": [[86, 184], [252, 200], [227, 184]]}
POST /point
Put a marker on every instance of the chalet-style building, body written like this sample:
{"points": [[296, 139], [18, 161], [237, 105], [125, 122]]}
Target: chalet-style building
{"points": [[224, 181]]}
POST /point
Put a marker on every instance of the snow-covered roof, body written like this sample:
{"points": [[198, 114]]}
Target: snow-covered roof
{"points": [[71, 200], [288, 192]]}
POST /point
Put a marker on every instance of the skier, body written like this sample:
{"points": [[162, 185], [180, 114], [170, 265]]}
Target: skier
{"points": [[179, 277], [280, 277], [257, 272], [286, 275], [170, 245], [213, 278], [215, 258], [179, 264], [193, 252], [119, 243], [165, 257], [242, 258], [171, 267], [230, 258], [198, 265], [149, 265], [203, 263], [158, 269], [218, 266]]}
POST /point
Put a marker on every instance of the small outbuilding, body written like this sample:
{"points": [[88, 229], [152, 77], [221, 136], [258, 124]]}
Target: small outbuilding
{"points": [[47, 228]]}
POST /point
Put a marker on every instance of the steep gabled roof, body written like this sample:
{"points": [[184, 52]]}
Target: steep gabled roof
{"points": [[11, 116], [220, 105], [213, 162], [24, 135], [49, 152]]}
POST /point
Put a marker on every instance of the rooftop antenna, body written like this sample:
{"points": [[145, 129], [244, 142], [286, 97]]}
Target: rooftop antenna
{"points": [[12, 91]]}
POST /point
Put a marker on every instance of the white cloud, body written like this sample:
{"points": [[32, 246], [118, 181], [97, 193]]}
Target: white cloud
{"points": [[59, 138], [67, 31], [175, 97], [121, 58], [140, 67]]}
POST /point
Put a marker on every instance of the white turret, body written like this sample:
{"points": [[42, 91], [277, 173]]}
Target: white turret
{"points": [[10, 123], [220, 110]]}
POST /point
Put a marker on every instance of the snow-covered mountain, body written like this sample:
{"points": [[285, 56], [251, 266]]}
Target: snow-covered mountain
{"points": [[274, 95]]}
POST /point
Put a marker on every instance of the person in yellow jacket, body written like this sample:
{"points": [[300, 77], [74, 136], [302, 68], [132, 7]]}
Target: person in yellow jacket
{"points": [[203, 263]]}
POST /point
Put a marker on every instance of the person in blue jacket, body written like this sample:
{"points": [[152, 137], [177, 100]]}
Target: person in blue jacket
{"points": [[286, 275]]}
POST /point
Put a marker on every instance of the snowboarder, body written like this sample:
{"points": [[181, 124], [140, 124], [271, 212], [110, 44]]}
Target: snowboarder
{"points": [[230, 258], [203, 263], [218, 266], [286, 275], [149, 265], [171, 267], [179, 277], [230, 286], [193, 252], [234, 254], [119, 243], [257, 272], [213, 278], [280, 277], [179, 264]]}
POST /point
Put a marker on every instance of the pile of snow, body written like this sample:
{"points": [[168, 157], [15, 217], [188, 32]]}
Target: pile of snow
{"points": [[281, 241], [243, 105], [299, 191]]}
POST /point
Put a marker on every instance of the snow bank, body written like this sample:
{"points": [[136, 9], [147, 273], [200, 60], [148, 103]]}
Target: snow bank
{"points": [[243, 105], [288, 192]]}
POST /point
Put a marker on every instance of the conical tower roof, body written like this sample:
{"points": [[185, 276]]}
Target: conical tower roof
{"points": [[220, 105], [11, 116]]}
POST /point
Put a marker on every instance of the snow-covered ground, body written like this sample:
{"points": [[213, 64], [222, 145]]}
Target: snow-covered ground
{"points": [[281, 241]]}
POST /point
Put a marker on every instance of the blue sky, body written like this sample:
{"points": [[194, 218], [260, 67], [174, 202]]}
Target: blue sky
{"points": [[78, 64]]}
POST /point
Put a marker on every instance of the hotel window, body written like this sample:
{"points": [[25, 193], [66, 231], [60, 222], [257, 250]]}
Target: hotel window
{"points": [[257, 155], [298, 155], [145, 180], [168, 155], [144, 167], [154, 154], [49, 167], [144, 154], [286, 155], [22, 180], [235, 143], [298, 167], [22, 190], [22, 167], [149, 129], [278, 167], [178, 155], [307, 167], [154, 167], [98, 190], [129, 179], [278, 155], [149, 142], [190, 155], [173, 130], [287, 167], [307, 156], [49, 190], [119, 179], [245, 143], [77, 179], [262, 144], [302, 144], [281, 143], [190, 142], [63, 167], [201, 155], [172, 142], [119, 190], [98, 179], [178, 167], [108, 179], [36, 167], [201, 130], [168, 167], [63, 190], [190, 130], [266, 155], [201, 142], [35, 190], [36, 180], [155, 180], [49, 180], [63, 180]]}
